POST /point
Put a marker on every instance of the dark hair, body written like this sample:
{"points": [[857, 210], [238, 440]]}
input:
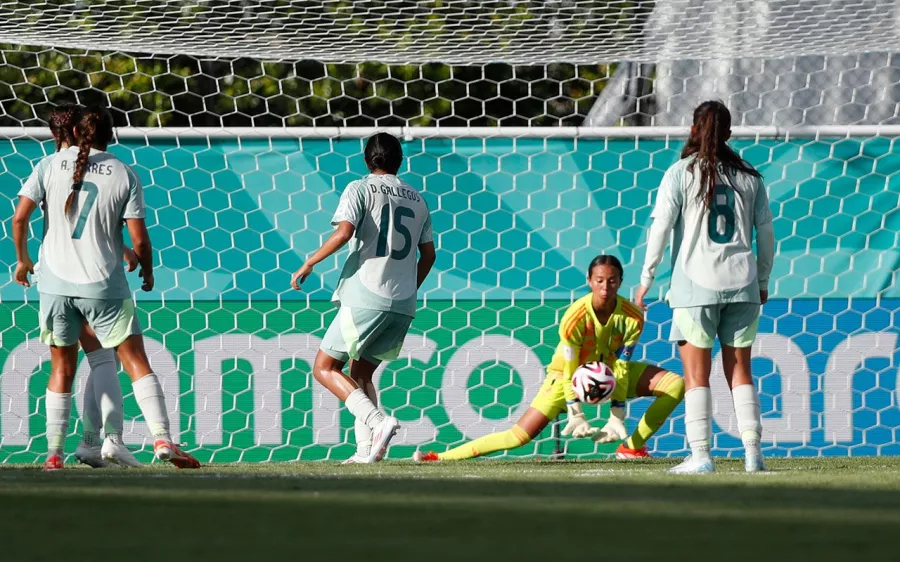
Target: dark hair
{"points": [[61, 122], [605, 259], [383, 152], [95, 130], [708, 140]]}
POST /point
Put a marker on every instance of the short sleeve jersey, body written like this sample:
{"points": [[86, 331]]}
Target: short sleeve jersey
{"points": [[81, 254], [391, 221]]}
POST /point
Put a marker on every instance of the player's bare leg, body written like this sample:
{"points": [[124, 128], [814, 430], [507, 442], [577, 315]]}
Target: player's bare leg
{"points": [[529, 426], [151, 400], [58, 402], [329, 372], [362, 373], [668, 388], [736, 363], [697, 363]]}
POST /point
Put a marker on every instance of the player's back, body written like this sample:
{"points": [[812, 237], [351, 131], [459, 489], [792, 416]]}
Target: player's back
{"points": [[391, 220], [713, 246], [81, 254]]}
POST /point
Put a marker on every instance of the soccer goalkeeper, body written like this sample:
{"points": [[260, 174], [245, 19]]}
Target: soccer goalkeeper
{"points": [[601, 326]]}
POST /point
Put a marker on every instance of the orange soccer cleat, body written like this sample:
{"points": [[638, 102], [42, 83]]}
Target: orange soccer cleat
{"points": [[430, 456], [169, 452], [53, 462], [623, 453]]}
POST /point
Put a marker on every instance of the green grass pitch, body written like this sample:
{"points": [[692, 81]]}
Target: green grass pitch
{"points": [[805, 509]]}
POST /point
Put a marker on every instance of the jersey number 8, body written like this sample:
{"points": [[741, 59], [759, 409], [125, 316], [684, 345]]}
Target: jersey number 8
{"points": [[723, 209]]}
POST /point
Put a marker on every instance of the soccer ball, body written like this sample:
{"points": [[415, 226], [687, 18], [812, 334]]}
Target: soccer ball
{"points": [[593, 382]]}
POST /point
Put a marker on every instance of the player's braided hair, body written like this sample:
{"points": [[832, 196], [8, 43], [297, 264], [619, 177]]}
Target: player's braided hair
{"points": [[61, 122], [384, 152], [708, 140], [93, 129]]}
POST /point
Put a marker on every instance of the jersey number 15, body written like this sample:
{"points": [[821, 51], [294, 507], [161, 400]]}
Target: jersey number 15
{"points": [[400, 213]]}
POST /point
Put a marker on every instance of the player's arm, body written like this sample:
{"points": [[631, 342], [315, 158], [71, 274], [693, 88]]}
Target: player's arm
{"points": [[427, 254], [21, 220], [135, 222], [614, 430], [765, 240], [350, 211], [571, 338], [143, 250], [341, 235], [665, 214], [427, 257]]}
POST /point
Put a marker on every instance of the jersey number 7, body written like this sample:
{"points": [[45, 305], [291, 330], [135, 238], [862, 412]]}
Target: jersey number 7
{"points": [[91, 190]]}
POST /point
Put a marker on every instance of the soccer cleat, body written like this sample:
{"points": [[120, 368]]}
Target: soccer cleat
{"points": [[118, 453], [167, 451], [358, 459], [691, 466], [381, 437], [90, 455], [754, 462], [53, 463], [430, 456], [623, 453]]}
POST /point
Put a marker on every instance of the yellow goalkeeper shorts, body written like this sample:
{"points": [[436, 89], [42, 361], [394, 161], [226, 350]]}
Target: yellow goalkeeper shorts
{"points": [[551, 399]]}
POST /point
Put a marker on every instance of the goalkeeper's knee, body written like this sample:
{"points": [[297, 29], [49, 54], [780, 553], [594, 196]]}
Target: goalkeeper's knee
{"points": [[670, 385]]}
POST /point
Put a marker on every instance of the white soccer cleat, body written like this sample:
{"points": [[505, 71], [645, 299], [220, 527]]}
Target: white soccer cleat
{"points": [[691, 466], [90, 455], [754, 462], [357, 459], [381, 437], [118, 453]]}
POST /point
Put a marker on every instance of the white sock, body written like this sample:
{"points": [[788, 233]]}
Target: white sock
{"points": [[362, 431], [150, 398], [59, 406], [107, 393], [90, 416], [363, 409], [746, 409], [698, 411]]}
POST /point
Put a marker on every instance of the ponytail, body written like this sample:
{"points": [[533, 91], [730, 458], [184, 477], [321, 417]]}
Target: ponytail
{"points": [[709, 142], [93, 130]]}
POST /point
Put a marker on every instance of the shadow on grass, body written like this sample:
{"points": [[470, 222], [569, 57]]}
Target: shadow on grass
{"points": [[366, 517]]}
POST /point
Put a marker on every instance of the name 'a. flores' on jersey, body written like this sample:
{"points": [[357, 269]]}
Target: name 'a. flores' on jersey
{"points": [[391, 220], [81, 255]]}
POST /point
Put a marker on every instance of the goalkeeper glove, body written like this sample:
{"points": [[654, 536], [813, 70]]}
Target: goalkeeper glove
{"points": [[578, 426], [614, 430]]}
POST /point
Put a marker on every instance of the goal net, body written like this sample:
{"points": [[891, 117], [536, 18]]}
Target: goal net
{"points": [[537, 132]]}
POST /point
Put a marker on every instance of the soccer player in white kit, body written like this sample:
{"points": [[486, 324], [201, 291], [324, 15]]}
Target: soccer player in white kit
{"points": [[87, 193], [713, 200], [385, 220], [103, 401]]}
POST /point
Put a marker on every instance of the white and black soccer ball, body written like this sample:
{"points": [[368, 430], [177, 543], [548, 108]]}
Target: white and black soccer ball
{"points": [[594, 383]]}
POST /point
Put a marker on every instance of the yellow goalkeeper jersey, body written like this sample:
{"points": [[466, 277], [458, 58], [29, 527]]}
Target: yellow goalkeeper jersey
{"points": [[583, 339]]}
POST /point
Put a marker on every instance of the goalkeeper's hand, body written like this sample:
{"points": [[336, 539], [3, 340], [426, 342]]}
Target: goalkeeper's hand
{"points": [[614, 430], [578, 426]]}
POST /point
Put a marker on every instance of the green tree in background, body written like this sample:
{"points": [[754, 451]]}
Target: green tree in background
{"points": [[181, 91]]}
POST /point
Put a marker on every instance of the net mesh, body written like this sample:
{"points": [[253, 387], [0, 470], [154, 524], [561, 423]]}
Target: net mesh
{"points": [[461, 31], [235, 208]]}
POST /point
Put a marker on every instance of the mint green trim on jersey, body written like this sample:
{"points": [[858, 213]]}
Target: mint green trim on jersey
{"points": [[122, 327], [735, 324], [685, 328], [361, 333]]}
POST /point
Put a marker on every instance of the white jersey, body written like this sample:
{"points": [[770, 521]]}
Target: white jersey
{"points": [[712, 248], [391, 220], [82, 256]]}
